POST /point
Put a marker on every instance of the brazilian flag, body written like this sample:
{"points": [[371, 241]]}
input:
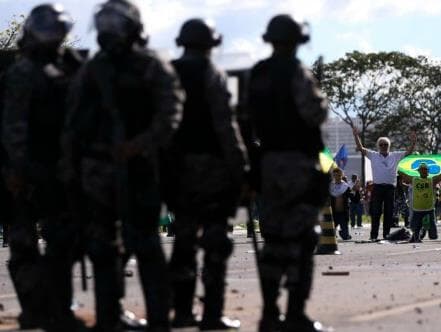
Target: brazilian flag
{"points": [[409, 165], [326, 160]]}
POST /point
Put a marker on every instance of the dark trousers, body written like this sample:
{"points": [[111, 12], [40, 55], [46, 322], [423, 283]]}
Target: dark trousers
{"points": [[291, 260], [217, 248], [141, 239], [28, 269], [342, 219], [104, 247], [382, 200], [417, 221], [356, 212], [42, 282]]}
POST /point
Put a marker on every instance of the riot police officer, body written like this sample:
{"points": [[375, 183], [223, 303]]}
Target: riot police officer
{"points": [[287, 110], [33, 116], [209, 162], [6, 59], [126, 104]]}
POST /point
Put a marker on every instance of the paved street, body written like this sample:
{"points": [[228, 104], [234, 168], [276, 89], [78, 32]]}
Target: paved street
{"points": [[390, 287]]}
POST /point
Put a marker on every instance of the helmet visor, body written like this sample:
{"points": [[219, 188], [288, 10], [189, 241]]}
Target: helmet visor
{"points": [[48, 26], [112, 23]]}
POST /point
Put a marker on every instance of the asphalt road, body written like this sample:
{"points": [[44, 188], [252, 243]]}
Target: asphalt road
{"points": [[387, 287]]}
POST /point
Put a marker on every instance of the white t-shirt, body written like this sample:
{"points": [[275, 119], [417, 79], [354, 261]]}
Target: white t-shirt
{"points": [[384, 169]]}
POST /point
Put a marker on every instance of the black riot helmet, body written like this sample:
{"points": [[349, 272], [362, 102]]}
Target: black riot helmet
{"points": [[198, 33], [284, 29], [118, 17], [47, 24]]}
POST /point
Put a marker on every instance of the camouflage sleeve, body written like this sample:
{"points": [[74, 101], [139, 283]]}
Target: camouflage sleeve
{"points": [[312, 104], [168, 101], [79, 120], [225, 123], [17, 103]]}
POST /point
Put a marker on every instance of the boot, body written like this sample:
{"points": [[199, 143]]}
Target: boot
{"points": [[180, 322], [222, 324], [130, 322], [301, 323], [183, 294], [68, 323], [29, 285], [158, 329], [266, 325], [415, 237]]}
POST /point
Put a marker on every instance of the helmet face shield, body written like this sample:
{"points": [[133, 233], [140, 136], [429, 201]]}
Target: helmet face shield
{"points": [[48, 24], [107, 22], [118, 17]]}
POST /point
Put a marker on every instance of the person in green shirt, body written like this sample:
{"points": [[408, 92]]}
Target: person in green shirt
{"points": [[422, 201]]}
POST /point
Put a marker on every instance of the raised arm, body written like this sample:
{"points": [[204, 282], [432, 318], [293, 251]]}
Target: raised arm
{"points": [[358, 141], [413, 139], [169, 98], [225, 124]]}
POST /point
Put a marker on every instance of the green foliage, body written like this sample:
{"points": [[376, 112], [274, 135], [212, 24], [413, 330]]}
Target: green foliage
{"points": [[418, 107], [8, 37], [387, 94]]}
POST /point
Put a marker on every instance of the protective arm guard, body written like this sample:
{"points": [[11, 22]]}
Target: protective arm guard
{"points": [[169, 98], [311, 103], [17, 99], [226, 126]]}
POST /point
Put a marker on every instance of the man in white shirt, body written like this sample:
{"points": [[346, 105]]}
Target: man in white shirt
{"points": [[384, 172]]}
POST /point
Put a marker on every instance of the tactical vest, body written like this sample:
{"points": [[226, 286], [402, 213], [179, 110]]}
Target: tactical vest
{"points": [[48, 107], [279, 125], [196, 133], [423, 196], [125, 85]]}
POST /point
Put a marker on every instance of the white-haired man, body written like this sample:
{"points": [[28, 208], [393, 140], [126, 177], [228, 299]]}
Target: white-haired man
{"points": [[384, 172]]}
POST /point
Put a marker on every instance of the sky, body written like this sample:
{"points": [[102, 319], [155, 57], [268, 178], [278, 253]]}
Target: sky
{"points": [[337, 26]]}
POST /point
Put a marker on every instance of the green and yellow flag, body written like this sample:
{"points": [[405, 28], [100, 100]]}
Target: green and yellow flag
{"points": [[409, 165], [326, 160]]}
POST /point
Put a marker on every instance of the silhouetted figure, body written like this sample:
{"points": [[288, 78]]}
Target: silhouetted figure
{"points": [[126, 104], [287, 110], [209, 160], [33, 116]]}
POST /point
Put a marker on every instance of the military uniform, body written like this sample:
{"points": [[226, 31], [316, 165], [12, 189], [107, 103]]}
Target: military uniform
{"points": [[287, 110], [144, 94], [209, 160], [6, 59], [33, 116]]}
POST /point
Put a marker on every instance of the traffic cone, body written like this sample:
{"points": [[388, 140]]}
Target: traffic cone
{"points": [[328, 242]]}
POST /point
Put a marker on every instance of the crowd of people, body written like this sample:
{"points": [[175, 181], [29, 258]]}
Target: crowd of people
{"points": [[391, 193], [93, 147]]}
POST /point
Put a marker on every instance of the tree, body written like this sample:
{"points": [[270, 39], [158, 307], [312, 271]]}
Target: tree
{"points": [[419, 107], [8, 37], [364, 89]]}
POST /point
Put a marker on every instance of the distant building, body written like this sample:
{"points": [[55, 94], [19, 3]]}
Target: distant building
{"points": [[336, 132]]}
